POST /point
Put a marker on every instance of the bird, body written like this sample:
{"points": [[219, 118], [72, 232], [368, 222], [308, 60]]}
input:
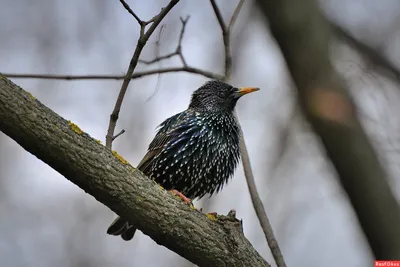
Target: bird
{"points": [[196, 151]]}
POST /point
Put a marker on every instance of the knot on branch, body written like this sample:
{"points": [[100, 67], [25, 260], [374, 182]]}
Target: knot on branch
{"points": [[231, 220]]}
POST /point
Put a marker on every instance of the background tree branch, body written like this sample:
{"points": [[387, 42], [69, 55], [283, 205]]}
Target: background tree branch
{"points": [[303, 34], [245, 158], [111, 180], [136, 75], [143, 38]]}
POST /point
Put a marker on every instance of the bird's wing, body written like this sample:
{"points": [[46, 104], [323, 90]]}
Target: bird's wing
{"points": [[163, 136]]}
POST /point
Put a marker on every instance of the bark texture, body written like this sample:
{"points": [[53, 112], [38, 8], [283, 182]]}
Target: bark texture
{"points": [[115, 183]]}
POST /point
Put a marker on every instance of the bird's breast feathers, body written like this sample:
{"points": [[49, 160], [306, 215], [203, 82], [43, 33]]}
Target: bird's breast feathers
{"points": [[199, 154]]}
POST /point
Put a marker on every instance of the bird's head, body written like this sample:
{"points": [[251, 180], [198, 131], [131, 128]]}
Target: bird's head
{"points": [[217, 96]]}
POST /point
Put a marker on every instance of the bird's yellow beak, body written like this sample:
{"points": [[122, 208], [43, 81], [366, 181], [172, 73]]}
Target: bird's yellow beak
{"points": [[246, 90]]}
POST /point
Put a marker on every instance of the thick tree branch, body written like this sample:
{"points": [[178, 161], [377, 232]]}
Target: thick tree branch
{"points": [[112, 181], [144, 37], [248, 172], [303, 35]]}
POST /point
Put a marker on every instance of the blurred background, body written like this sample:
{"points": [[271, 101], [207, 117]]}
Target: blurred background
{"points": [[46, 221]]}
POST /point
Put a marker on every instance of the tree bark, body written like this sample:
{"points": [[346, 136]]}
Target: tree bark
{"points": [[304, 35], [203, 240]]}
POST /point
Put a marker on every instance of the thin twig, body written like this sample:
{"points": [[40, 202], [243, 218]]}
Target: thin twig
{"points": [[118, 134], [218, 15], [144, 36], [151, 20], [179, 47], [235, 15], [226, 39], [136, 75], [255, 197], [259, 206], [157, 59], [157, 53], [128, 8]]}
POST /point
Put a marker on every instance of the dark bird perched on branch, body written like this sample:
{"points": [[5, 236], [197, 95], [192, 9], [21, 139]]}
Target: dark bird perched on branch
{"points": [[194, 152]]}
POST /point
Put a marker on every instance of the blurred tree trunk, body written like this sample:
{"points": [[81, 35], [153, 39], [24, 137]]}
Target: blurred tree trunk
{"points": [[303, 35]]}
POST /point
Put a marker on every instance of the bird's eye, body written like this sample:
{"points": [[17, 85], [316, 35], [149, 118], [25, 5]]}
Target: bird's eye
{"points": [[221, 94]]}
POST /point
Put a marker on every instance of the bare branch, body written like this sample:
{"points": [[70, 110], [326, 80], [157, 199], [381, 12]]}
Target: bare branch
{"points": [[136, 75], [118, 134], [248, 172], [157, 50], [226, 39], [259, 207], [235, 15], [151, 20], [216, 241], [157, 53], [179, 47], [156, 59], [132, 65], [178, 50], [193, 70], [219, 16], [128, 8]]}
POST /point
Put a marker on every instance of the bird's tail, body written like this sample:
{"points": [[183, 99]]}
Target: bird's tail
{"points": [[121, 227]]}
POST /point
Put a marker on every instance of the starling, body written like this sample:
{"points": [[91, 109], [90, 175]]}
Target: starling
{"points": [[194, 152]]}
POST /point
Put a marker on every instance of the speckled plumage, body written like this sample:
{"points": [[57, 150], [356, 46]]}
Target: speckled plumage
{"points": [[195, 151], [200, 155]]}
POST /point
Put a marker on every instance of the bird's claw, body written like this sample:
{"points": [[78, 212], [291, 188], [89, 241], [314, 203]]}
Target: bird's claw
{"points": [[181, 196]]}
